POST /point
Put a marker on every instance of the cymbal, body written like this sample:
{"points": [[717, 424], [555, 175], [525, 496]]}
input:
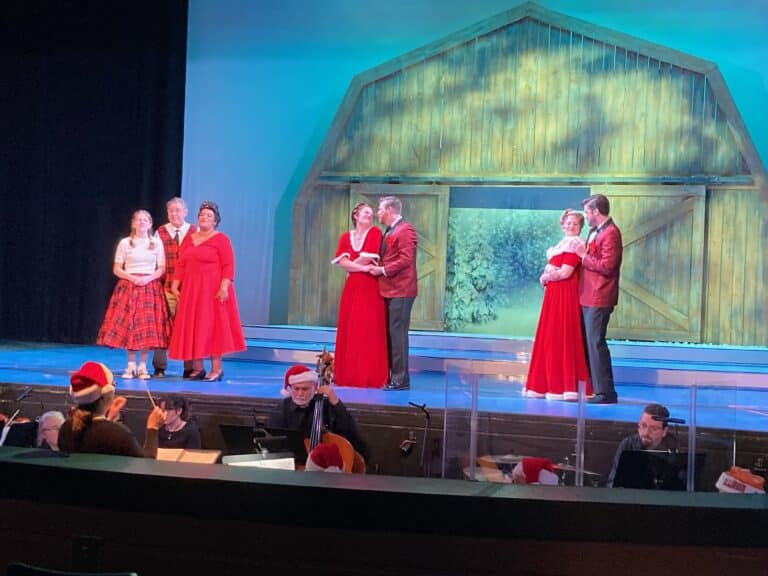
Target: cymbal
{"points": [[485, 475], [496, 459], [571, 468]]}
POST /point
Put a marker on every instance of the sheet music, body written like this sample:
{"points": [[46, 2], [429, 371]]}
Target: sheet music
{"points": [[272, 463], [191, 456]]}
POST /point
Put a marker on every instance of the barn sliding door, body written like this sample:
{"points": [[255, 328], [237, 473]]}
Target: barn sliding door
{"points": [[661, 277]]}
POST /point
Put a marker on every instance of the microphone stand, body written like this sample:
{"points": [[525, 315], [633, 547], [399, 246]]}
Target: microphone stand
{"points": [[676, 429], [675, 422], [423, 408]]}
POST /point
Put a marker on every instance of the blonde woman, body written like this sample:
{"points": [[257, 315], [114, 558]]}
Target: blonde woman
{"points": [[137, 315]]}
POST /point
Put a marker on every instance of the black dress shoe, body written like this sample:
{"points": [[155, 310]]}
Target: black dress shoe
{"points": [[186, 373], [196, 375], [159, 373], [603, 399], [396, 386]]}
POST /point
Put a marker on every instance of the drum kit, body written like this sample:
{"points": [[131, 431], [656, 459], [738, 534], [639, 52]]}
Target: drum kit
{"points": [[498, 468]]}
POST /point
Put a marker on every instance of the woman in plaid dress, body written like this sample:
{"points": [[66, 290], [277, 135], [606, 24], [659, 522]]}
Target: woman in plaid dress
{"points": [[137, 315]]}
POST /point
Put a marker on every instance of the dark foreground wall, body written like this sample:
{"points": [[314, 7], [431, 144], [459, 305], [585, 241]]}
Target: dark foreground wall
{"points": [[114, 513]]}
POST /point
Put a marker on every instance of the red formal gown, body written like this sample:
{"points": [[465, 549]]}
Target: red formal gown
{"points": [[558, 361], [204, 326], [361, 334]]}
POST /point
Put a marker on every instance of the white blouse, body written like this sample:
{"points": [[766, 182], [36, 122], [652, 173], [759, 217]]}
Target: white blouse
{"points": [[140, 258]]}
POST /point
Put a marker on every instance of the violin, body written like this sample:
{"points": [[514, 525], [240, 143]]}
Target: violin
{"points": [[9, 421], [353, 461]]}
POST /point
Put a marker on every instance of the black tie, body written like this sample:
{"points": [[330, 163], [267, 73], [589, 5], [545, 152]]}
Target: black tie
{"points": [[176, 238], [383, 246]]}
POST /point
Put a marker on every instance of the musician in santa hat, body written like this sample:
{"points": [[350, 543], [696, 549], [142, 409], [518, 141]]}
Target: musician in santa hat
{"points": [[295, 410]]}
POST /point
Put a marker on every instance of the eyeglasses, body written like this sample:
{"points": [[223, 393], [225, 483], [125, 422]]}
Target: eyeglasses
{"points": [[652, 428]]}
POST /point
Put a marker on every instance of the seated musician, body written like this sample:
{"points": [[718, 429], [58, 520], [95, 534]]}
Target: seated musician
{"points": [[178, 431], [652, 430], [48, 430], [295, 411]]}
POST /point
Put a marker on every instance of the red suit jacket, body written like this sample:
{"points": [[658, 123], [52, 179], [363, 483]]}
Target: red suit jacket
{"points": [[599, 281], [398, 258]]}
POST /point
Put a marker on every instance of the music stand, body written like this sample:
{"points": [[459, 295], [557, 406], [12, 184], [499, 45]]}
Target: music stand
{"points": [[656, 470], [248, 440]]}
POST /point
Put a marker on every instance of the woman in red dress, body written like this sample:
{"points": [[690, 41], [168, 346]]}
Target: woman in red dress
{"points": [[361, 333], [558, 362], [207, 322]]}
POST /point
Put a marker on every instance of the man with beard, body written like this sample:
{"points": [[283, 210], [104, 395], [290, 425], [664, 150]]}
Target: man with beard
{"points": [[652, 434]]}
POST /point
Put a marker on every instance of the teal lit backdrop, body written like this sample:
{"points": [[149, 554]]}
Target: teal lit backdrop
{"points": [[264, 80]]}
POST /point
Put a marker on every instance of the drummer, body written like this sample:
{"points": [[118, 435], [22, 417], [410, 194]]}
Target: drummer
{"points": [[652, 434]]}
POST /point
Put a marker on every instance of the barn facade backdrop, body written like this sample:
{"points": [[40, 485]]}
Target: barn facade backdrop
{"points": [[533, 102]]}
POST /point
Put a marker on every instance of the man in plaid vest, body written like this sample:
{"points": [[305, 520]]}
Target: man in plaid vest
{"points": [[172, 235]]}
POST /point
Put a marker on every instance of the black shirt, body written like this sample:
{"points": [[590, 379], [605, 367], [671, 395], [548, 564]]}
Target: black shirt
{"points": [[186, 437], [106, 437], [633, 443], [336, 419]]}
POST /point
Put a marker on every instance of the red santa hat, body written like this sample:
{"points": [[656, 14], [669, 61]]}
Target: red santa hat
{"points": [[537, 471], [325, 458], [294, 375], [91, 382]]}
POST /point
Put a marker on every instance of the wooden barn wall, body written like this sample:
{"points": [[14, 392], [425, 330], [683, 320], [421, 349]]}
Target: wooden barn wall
{"points": [[535, 99], [663, 232], [735, 271], [315, 283]]}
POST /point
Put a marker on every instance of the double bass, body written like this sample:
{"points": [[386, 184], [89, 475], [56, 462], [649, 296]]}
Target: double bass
{"points": [[318, 434]]}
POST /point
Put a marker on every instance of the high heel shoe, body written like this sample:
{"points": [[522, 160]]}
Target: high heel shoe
{"points": [[213, 377]]}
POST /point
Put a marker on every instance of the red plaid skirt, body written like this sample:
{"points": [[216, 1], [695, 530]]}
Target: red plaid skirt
{"points": [[136, 318]]}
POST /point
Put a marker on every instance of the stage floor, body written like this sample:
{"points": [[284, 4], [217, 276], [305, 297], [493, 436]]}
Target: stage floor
{"points": [[731, 391]]}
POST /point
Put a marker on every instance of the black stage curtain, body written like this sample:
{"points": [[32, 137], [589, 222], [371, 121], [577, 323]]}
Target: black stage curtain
{"points": [[91, 117]]}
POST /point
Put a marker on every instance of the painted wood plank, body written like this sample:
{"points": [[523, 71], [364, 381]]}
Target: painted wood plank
{"points": [[724, 275], [752, 274]]}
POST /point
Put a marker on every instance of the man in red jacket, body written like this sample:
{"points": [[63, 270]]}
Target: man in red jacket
{"points": [[172, 235], [398, 286], [599, 292]]}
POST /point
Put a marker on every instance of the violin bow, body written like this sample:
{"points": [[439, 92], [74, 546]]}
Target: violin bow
{"points": [[149, 394]]}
